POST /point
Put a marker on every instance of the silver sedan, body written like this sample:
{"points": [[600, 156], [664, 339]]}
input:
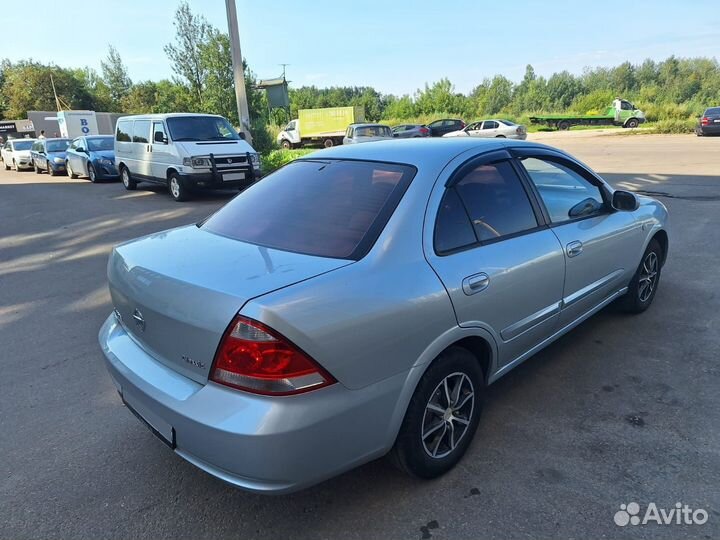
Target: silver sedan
{"points": [[501, 129], [358, 301]]}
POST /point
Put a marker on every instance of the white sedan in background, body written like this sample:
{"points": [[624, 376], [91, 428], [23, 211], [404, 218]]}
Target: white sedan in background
{"points": [[15, 153], [503, 129]]}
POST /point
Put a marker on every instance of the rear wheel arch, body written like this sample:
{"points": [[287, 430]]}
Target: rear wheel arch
{"points": [[662, 239]]}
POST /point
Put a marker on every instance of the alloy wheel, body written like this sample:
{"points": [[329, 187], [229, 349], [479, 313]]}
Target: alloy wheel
{"points": [[125, 177], [648, 276], [447, 415]]}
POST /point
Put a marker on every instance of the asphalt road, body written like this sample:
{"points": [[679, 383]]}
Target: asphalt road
{"points": [[623, 409]]}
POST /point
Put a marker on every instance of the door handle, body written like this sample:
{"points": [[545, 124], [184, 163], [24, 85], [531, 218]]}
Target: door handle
{"points": [[475, 283], [574, 248]]}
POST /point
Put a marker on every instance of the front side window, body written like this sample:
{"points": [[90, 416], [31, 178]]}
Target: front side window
{"points": [[326, 208], [200, 128], [158, 127], [626, 106], [566, 194], [490, 124]]}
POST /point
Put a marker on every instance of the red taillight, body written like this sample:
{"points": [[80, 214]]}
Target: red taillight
{"points": [[424, 130], [257, 359], [705, 121]]}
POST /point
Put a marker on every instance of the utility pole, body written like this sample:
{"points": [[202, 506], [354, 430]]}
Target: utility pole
{"points": [[238, 71]]}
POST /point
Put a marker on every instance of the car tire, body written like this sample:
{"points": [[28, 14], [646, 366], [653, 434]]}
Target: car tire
{"points": [[14, 166], [50, 170], [500, 137], [563, 125], [632, 123], [638, 297], [287, 145], [328, 143], [127, 180], [92, 175], [430, 442], [177, 188], [69, 170], [38, 170], [7, 167]]}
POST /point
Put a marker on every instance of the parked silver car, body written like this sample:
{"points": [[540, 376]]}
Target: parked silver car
{"points": [[361, 133], [410, 131], [502, 129], [357, 302]]}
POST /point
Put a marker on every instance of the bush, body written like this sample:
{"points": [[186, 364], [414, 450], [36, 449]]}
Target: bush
{"points": [[262, 139], [672, 126], [277, 158]]}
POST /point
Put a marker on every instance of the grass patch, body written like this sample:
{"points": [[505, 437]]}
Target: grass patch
{"points": [[277, 158]]}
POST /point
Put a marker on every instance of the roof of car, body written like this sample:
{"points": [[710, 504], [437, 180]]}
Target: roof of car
{"points": [[368, 124], [419, 152], [163, 116]]}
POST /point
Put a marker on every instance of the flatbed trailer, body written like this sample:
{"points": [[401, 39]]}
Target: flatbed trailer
{"points": [[622, 113]]}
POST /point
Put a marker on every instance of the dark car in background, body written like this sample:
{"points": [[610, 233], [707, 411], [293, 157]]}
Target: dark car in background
{"points": [[709, 122], [94, 157], [438, 128], [49, 155], [410, 131]]}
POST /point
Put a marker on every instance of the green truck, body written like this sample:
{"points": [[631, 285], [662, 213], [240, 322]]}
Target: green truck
{"points": [[320, 126], [621, 113]]}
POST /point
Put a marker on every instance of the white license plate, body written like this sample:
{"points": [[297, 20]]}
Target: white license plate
{"points": [[229, 177], [717, 120]]}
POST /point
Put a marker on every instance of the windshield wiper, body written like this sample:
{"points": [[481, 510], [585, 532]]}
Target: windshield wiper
{"points": [[181, 139]]}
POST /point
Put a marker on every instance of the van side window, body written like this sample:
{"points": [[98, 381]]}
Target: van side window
{"points": [[122, 132], [141, 131]]}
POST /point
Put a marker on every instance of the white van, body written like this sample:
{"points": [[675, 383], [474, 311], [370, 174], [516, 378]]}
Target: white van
{"points": [[184, 151]]}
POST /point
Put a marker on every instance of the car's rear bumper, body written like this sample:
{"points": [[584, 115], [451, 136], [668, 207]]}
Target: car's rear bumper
{"points": [[710, 129], [258, 443]]}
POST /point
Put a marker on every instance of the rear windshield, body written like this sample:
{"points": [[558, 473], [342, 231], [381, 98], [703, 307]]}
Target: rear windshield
{"points": [[97, 144], [201, 128], [22, 145], [57, 146], [373, 131], [712, 111], [327, 208]]}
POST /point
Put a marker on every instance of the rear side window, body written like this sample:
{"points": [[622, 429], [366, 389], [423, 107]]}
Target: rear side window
{"points": [[122, 132], [326, 208], [495, 204], [141, 130]]}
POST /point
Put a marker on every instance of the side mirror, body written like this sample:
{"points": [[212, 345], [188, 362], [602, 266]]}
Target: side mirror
{"points": [[242, 135], [396, 134], [81, 149], [625, 201], [160, 137]]}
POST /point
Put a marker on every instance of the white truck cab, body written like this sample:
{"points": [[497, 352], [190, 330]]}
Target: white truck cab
{"points": [[184, 151]]}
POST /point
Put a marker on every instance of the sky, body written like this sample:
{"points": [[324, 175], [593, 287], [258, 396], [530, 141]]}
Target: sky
{"points": [[394, 46]]}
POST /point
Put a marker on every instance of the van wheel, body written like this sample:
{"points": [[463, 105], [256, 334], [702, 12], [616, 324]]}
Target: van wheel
{"points": [[632, 123], [442, 417], [178, 190], [287, 145], [129, 183]]}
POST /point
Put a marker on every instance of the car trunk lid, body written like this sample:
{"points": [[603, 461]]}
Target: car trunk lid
{"points": [[176, 291]]}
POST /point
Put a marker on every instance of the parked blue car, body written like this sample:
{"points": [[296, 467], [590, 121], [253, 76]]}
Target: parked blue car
{"points": [[92, 156], [49, 155]]}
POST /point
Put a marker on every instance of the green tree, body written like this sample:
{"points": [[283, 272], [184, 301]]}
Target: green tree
{"points": [[191, 32], [218, 87], [115, 77]]}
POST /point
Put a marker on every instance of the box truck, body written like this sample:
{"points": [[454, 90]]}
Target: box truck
{"points": [[320, 126]]}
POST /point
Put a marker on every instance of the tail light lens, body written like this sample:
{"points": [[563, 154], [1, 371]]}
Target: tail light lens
{"points": [[705, 121], [424, 130], [255, 358]]}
